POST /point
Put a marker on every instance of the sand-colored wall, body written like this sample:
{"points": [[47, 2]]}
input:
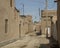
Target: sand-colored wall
{"points": [[44, 23], [7, 12]]}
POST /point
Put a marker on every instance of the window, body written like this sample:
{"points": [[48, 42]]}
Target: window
{"points": [[6, 25], [11, 3]]}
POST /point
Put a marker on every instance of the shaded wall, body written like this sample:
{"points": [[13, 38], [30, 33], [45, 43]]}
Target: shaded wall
{"points": [[58, 20]]}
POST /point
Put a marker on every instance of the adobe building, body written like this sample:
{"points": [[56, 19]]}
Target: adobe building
{"points": [[9, 27], [25, 25], [30, 23], [58, 21], [46, 21], [37, 26]]}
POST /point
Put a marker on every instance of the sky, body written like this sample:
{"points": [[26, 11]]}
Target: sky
{"points": [[31, 7]]}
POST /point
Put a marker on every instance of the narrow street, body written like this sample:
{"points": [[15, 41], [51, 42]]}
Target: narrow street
{"points": [[29, 42], [29, 23]]}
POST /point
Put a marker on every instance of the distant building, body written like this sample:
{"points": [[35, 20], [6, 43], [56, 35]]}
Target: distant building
{"points": [[30, 23], [9, 27], [46, 21], [37, 27], [25, 25]]}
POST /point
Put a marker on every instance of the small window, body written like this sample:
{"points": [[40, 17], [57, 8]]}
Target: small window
{"points": [[6, 25], [11, 3], [23, 24]]}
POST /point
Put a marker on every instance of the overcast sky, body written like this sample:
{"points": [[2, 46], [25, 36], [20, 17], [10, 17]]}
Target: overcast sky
{"points": [[31, 7]]}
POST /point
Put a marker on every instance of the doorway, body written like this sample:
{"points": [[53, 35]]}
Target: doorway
{"points": [[19, 30]]}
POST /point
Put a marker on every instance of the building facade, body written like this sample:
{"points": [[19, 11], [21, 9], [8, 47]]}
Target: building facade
{"points": [[25, 25], [9, 27], [37, 27], [30, 23], [46, 21]]}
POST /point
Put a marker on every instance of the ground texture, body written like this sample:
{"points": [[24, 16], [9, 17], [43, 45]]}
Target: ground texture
{"points": [[30, 41]]}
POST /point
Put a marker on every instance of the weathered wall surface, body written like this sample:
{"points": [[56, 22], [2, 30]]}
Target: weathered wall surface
{"points": [[44, 23], [7, 12]]}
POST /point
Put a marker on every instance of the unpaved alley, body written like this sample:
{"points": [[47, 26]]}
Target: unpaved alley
{"points": [[30, 42]]}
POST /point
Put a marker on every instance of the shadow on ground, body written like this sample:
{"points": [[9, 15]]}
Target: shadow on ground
{"points": [[44, 46]]}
